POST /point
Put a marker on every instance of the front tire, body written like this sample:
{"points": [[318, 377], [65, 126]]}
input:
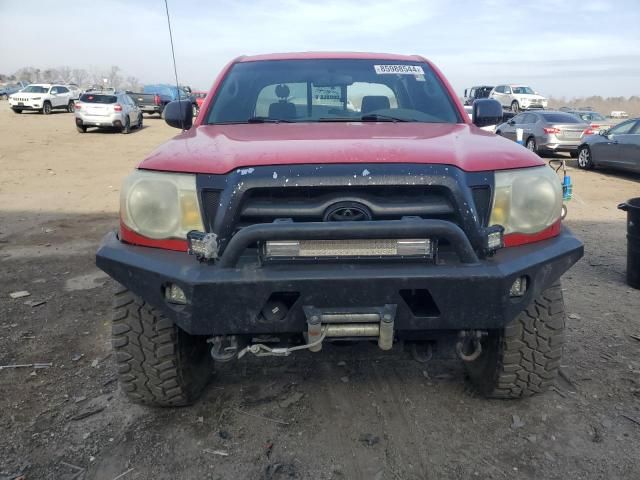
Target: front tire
{"points": [[46, 108], [81, 129], [523, 358], [158, 363], [515, 106], [17, 110], [584, 158], [140, 122], [531, 145]]}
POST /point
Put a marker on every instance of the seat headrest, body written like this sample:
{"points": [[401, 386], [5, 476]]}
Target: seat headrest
{"points": [[282, 110], [371, 103]]}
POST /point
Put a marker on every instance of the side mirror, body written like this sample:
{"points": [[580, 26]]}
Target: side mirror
{"points": [[604, 132], [179, 114], [511, 122], [486, 112]]}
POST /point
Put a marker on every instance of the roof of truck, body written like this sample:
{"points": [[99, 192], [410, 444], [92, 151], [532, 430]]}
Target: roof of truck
{"points": [[331, 55]]}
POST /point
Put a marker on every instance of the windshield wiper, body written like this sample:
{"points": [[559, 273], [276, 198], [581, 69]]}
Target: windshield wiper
{"points": [[267, 120], [379, 117]]}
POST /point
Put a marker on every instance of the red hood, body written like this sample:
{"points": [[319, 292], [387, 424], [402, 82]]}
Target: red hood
{"points": [[218, 149]]}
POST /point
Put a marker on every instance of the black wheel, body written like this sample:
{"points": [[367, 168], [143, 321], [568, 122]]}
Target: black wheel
{"points": [[140, 121], [515, 106], [499, 133], [81, 129], [127, 126], [584, 158], [46, 108], [524, 357], [531, 145], [158, 364], [71, 106], [17, 110], [573, 154]]}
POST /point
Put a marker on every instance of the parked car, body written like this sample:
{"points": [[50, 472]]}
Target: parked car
{"points": [[518, 97], [546, 131], [596, 121], [617, 147], [43, 97], [106, 110], [474, 93], [154, 98], [619, 114], [11, 88], [269, 227]]}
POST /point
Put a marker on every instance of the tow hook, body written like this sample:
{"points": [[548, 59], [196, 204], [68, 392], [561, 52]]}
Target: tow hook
{"points": [[224, 349], [470, 341]]}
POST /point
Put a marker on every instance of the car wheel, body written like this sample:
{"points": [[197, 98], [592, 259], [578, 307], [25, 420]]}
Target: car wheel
{"points": [[158, 363], [81, 128], [584, 158], [71, 106], [140, 120], [46, 108], [515, 106], [524, 357], [531, 145], [127, 126], [573, 154], [499, 133], [17, 110]]}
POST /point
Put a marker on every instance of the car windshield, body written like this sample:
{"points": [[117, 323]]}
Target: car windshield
{"points": [[35, 89], [523, 90], [93, 98], [591, 116], [332, 90], [560, 118]]}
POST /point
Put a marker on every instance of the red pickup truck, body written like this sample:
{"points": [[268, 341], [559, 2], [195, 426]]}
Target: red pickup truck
{"points": [[324, 197]]}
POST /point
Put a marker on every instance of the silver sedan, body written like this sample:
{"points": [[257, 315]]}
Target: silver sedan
{"points": [[545, 131]]}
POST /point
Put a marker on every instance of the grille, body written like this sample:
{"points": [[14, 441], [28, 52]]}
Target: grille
{"points": [[310, 205]]}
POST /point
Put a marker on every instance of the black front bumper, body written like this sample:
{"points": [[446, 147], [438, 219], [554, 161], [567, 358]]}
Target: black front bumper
{"points": [[228, 300]]}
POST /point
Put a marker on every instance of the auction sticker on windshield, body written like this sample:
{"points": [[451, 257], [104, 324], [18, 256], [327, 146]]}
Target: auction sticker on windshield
{"points": [[399, 69]]}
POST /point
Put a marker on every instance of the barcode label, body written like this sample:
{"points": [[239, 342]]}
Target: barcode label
{"points": [[399, 69]]}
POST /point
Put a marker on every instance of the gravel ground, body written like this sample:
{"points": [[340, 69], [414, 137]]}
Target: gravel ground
{"points": [[347, 413]]}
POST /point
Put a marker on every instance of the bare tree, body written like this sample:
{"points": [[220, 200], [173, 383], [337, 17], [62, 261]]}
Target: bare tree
{"points": [[50, 75], [64, 74], [114, 78], [80, 76], [28, 74], [132, 84]]}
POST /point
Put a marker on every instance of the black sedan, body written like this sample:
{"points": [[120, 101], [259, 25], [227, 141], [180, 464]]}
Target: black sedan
{"points": [[616, 147]]}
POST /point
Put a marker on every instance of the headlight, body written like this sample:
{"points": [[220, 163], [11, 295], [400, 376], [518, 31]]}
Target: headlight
{"points": [[160, 205], [526, 200]]}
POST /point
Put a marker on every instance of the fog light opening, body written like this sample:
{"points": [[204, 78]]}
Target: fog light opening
{"points": [[518, 287], [174, 294]]}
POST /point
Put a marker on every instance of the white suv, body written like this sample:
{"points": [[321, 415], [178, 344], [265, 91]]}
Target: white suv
{"points": [[43, 97], [518, 97]]}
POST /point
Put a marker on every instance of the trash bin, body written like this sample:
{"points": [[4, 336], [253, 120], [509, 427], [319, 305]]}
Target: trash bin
{"points": [[632, 207]]}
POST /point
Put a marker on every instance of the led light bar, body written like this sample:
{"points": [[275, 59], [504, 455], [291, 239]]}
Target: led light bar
{"points": [[349, 248]]}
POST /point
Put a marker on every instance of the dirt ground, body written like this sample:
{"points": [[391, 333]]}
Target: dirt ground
{"points": [[343, 414]]}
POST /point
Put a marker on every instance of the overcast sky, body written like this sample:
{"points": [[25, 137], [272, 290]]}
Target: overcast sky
{"points": [[561, 48]]}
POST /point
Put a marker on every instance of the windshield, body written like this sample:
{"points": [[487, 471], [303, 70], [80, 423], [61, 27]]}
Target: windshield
{"points": [[591, 116], [35, 89], [523, 90], [339, 90], [92, 98]]}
